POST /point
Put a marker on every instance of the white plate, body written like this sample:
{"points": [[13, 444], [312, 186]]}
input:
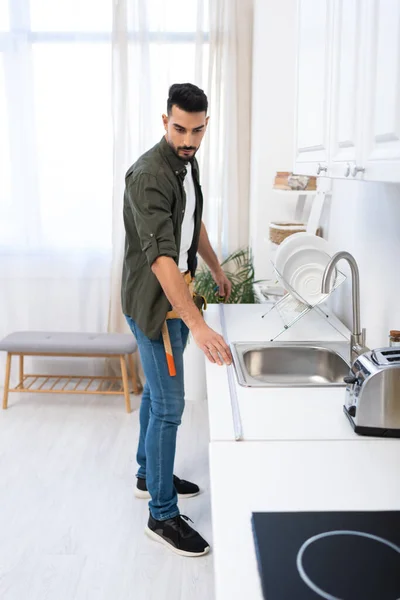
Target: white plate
{"points": [[306, 281], [295, 242], [303, 257]]}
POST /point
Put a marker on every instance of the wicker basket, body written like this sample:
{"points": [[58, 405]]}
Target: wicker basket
{"points": [[285, 180], [280, 230]]}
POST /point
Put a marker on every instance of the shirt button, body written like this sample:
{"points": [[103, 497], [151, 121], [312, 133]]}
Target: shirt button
{"points": [[152, 235], [176, 172]]}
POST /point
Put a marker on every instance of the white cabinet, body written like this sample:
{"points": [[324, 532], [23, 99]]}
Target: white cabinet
{"points": [[313, 84], [348, 89], [346, 122], [381, 148]]}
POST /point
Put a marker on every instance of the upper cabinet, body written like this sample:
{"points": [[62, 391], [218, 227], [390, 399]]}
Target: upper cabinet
{"points": [[381, 148], [346, 75], [348, 89], [314, 48]]}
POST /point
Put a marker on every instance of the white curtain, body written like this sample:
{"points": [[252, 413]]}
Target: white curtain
{"points": [[226, 158], [206, 42], [55, 169], [83, 84], [209, 43]]}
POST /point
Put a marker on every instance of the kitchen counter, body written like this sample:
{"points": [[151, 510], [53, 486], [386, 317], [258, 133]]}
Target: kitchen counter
{"points": [[275, 413], [297, 454], [289, 476]]}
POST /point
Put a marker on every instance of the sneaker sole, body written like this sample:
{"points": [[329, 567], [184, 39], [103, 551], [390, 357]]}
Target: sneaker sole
{"points": [[146, 496], [160, 540]]}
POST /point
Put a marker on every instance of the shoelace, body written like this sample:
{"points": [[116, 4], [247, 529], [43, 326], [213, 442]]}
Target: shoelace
{"points": [[186, 518]]}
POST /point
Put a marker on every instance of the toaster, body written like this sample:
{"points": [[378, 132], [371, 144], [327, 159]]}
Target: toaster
{"points": [[373, 393]]}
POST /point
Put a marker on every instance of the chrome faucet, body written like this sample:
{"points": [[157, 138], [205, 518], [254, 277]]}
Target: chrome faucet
{"points": [[357, 340]]}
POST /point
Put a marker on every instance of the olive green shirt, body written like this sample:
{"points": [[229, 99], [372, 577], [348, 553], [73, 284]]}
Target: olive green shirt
{"points": [[154, 207]]}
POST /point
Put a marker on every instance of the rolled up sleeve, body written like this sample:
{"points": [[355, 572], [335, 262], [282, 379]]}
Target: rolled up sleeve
{"points": [[152, 214]]}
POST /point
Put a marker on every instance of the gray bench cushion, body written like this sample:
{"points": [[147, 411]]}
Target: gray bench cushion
{"points": [[69, 343]]}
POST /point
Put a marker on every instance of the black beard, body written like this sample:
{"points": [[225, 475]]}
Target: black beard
{"points": [[176, 151]]}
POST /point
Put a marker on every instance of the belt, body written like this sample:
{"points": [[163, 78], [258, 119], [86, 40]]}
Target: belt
{"points": [[201, 304]]}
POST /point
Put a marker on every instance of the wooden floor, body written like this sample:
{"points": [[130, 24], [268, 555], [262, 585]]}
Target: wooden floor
{"points": [[70, 526]]}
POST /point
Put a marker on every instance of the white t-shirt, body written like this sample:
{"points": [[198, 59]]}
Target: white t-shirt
{"points": [[188, 219]]}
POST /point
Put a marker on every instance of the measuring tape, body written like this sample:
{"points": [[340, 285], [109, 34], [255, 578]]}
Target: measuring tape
{"points": [[237, 424]]}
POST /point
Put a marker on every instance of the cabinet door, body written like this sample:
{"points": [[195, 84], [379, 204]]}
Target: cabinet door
{"points": [[313, 85], [347, 99], [381, 145]]}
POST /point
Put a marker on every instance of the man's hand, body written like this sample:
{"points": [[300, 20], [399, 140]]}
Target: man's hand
{"points": [[223, 283], [211, 260], [212, 344], [177, 292]]}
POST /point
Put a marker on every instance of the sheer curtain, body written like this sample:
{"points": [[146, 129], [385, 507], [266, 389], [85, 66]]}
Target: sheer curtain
{"points": [[55, 167], [209, 43], [83, 84], [206, 42], [226, 159]]}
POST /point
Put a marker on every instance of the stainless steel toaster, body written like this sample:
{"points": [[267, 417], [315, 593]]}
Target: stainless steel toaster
{"points": [[373, 393]]}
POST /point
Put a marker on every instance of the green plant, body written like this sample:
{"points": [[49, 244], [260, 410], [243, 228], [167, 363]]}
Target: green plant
{"points": [[239, 269]]}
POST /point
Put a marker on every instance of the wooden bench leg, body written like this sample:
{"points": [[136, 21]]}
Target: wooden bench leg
{"points": [[7, 381], [125, 382], [21, 370], [136, 387]]}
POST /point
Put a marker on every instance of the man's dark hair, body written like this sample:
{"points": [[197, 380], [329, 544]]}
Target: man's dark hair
{"points": [[187, 97]]}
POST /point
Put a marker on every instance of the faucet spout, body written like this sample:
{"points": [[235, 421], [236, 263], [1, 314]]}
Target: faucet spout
{"points": [[358, 335]]}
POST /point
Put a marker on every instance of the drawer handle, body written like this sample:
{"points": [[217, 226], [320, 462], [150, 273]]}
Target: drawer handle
{"points": [[356, 169], [321, 168]]}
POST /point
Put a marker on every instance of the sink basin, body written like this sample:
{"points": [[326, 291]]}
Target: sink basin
{"points": [[291, 364]]}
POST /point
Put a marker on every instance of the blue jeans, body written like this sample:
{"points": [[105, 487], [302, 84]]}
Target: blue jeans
{"points": [[161, 409]]}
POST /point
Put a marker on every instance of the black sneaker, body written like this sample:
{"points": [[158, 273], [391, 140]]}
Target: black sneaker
{"points": [[184, 489], [177, 534]]}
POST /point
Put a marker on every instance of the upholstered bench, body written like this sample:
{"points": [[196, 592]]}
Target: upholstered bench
{"points": [[88, 345]]}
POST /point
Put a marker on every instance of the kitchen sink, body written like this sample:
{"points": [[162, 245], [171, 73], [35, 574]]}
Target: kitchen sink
{"points": [[291, 364]]}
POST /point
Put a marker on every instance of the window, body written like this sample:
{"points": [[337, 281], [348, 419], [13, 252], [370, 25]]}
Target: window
{"points": [[72, 103], [76, 16], [4, 18], [176, 16], [56, 142], [5, 181], [55, 119]]}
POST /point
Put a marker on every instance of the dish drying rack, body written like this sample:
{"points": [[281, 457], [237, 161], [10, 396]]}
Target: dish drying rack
{"points": [[292, 306]]}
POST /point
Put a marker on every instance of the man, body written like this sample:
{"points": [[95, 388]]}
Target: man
{"points": [[164, 231]]}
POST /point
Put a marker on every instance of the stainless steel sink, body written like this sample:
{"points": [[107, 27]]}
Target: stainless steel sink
{"points": [[291, 364]]}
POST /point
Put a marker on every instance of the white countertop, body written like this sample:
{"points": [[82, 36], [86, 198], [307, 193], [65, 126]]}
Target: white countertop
{"points": [[249, 477], [275, 413], [298, 452]]}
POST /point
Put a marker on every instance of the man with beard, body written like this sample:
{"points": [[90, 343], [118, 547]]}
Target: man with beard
{"points": [[164, 232]]}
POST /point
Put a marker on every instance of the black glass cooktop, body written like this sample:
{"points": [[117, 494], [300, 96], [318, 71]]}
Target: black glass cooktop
{"points": [[331, 555]]}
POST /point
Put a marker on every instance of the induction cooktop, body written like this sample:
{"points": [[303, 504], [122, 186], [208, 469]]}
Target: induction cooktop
{"points": [[330, 555]]}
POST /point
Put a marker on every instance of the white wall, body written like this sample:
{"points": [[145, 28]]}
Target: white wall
{"points": [[274, 49], [362, 218]]}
